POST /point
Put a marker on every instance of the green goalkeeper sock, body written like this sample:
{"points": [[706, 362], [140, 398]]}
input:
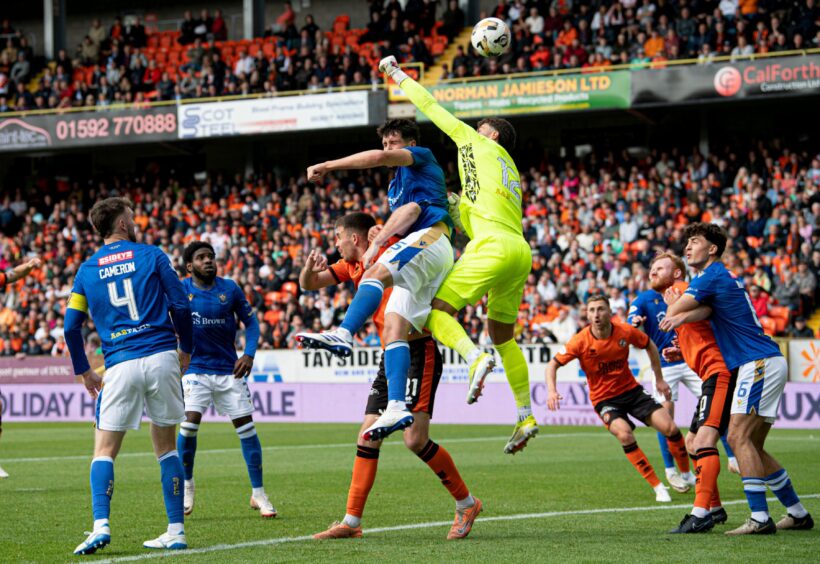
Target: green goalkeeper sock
{"points": [[448, 331], [518, 376]]}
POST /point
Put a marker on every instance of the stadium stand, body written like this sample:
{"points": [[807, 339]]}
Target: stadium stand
{"points": [[593, 224], [137, 62]]}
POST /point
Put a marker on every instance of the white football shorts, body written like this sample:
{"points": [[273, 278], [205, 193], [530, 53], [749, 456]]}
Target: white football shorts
{"points": [[229, 395], [676, 375], [419, 263], [760, 386], [152, 383]]}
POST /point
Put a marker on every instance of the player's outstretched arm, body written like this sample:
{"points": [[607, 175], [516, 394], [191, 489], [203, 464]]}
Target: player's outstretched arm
{"points": [[359, 161], [397, 224], [553, 397], [23, 270], [455, 129], [315, 275], [672, 322]]}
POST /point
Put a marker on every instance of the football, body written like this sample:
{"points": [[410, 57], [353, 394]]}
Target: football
{"points": [[490, 37]]}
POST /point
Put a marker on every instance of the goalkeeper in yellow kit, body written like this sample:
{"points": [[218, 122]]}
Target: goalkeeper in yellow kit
{"points": [[497, 260]]}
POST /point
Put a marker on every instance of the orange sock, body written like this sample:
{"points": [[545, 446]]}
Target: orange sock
{"points": [[678, 449], [707, 468], [639, 461], [364, 474], [440, 462]]}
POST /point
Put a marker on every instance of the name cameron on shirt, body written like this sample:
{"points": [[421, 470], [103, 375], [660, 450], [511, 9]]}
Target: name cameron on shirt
{"points": [[117, 269]]}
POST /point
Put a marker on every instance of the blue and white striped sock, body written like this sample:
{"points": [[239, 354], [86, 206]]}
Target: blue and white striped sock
{"points": [[252, 452], [755, 490], [396, 365], [364, 304], [781, 486], [186, 446], [172, 476], [102, 488]]}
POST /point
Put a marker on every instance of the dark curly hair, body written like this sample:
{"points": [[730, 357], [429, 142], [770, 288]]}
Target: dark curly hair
{"points": [[709, 231]]}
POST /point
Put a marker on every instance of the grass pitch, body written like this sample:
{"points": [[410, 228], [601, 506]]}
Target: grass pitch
{"points": [[570, 496]]}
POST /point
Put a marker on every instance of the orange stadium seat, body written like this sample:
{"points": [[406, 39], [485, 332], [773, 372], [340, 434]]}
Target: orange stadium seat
{"points": [[769, 326]]}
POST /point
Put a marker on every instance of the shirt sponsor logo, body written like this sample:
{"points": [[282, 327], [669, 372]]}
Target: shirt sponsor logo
{"points": [[116, 257], [129, 331], [199, 320]]}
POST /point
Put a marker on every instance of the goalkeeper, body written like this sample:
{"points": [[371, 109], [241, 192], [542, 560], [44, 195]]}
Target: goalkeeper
{"points": [[497, 260]]}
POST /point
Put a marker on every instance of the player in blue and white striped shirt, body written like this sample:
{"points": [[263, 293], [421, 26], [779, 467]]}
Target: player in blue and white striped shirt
{"points": [[128, 289], [215, 374]]}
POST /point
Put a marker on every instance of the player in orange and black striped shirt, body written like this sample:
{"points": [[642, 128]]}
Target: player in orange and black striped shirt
{"points": [[423, 378], [698, 347], [7, 278], [603, 351]]}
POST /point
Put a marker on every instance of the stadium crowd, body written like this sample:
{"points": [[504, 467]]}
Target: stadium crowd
{"points": [[124, 63], [562, 34], [593, 225]]}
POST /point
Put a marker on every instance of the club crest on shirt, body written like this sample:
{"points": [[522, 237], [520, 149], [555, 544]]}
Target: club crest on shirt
{"points": [[190, 297], [622, 343], [223, 298]]}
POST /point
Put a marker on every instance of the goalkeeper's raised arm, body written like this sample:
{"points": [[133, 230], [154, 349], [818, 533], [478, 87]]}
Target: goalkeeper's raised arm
{"points": [[456, 129]]}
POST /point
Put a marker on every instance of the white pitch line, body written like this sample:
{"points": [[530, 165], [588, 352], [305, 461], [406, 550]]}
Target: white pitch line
{"points": [[350, 444], [514, 517]]}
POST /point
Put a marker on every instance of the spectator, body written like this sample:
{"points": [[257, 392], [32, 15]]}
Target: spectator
{"points": [[20, 69], [286, 18], [134, 33], [799, 329], [219, 29], [760, 300], [453, 20], [187, 29]]}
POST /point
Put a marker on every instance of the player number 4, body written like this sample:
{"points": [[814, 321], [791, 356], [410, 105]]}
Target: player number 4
{"points": [[126, 300]]}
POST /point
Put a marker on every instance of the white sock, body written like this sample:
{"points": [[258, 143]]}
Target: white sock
{"points": [[797, 510], [344, 334], [670, 472], [715, 508], [524, 412], [472, 356], [351, 520], [396, 405], [176, 529], [760, 516], [686, 476], [258, 492], [700, 512], [659, 487], [100, 523], [465, 503], [732, 460]]}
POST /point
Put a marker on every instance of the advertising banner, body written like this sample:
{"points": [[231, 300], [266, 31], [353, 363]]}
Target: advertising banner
{"points": [[36, 370], [534, 95], [362, 367], [804, 360], [782, 76], [345, 403], [271, 115], [85, 129]]}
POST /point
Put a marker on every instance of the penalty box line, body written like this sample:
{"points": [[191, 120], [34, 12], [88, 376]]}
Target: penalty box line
{"points": [[411, 526]]}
